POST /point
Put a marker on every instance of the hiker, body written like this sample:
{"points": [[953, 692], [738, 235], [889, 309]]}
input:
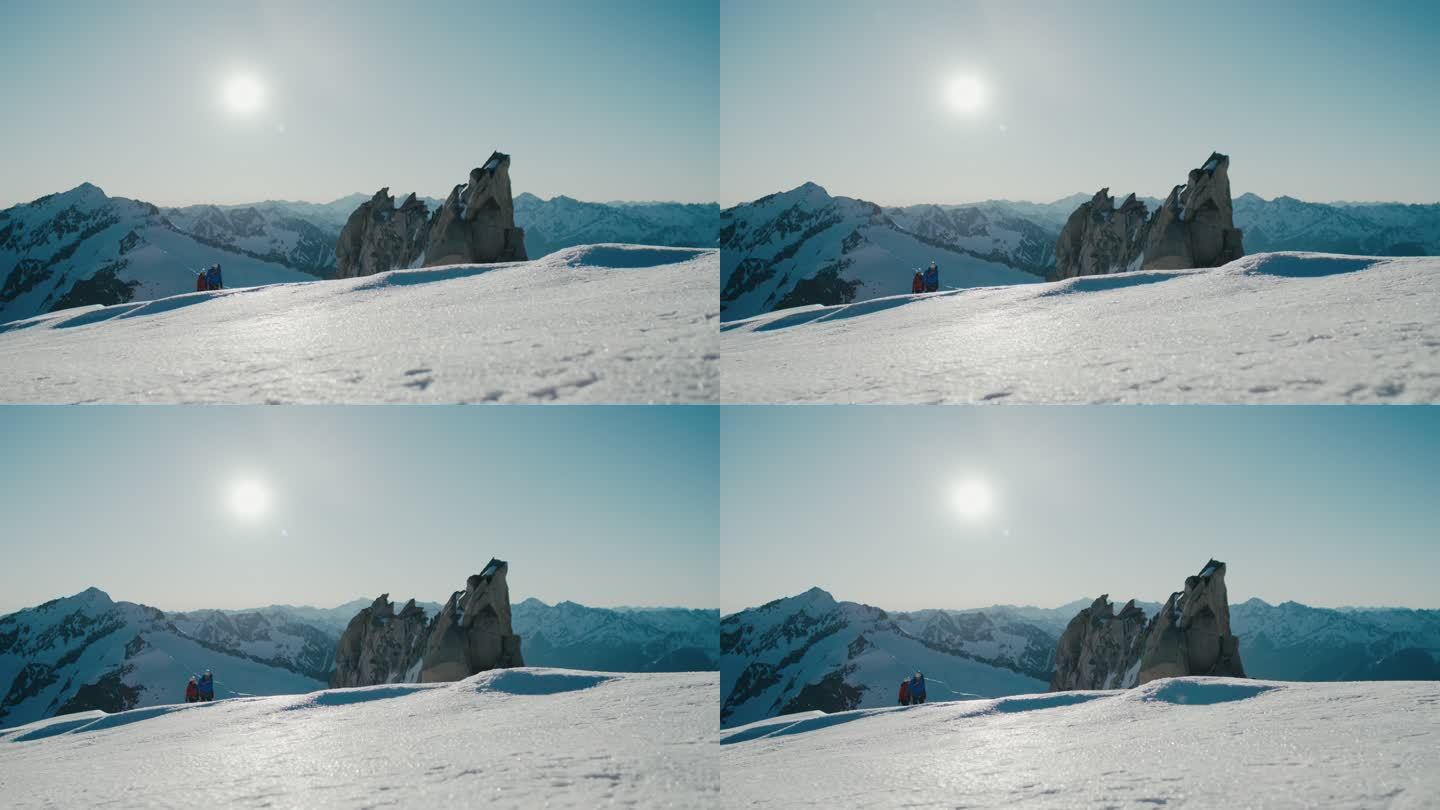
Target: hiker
{"points": [[932, 278], [917, 284], [212, 278], [192, 691], [201, 283], [904, 693], [917, 689], [207, 686]]}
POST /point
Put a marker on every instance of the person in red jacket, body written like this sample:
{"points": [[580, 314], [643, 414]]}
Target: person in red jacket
{"points": [[192, 689], [904, 693], [200, 283], [917, 284]]}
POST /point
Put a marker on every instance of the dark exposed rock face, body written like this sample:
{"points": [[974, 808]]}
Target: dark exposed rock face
{"points": [[1189, 636], [471, 634], [1194, 227], [477, 223], [379, 237], [1099, 648], [379, 645]]}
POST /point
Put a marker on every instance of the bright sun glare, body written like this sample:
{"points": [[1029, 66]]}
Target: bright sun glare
{"points": [[249, 499], [966, 94], [972, 499], [243, 94]]}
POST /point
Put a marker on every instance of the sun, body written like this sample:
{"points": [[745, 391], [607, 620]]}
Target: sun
{"points": [[972, 499], [249, 499], [965, 94], [243, 94]]}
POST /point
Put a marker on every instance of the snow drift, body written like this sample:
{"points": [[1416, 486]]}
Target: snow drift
{"points": [[1215, 742], [1273, 327], [601, 323], [504, 738]]}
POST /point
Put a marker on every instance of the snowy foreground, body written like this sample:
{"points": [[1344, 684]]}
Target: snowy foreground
{"points": [[1272, 327], [506, 738], [599, 323], [1202, 742]]}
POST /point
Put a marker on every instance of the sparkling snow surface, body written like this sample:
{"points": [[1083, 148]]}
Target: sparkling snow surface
{"points": [[1273, 327], [505, 738], [599, 323], [1202, 742]]}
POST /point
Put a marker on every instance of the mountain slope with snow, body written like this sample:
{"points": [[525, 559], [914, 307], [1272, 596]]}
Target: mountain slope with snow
{"points": [[571, 635], [811, 652], [89, 652], [1274, 327], [601, 323], [506, 738], [562, 222], [1211, 742]]}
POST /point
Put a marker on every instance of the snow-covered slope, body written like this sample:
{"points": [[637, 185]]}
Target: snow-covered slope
{"points": [[1203, 742], [87, 651], [617, 640], [562, 222], [82, 247], [804, 246], [1273, 327], [601, 323], [811, 652], [516, 738]]}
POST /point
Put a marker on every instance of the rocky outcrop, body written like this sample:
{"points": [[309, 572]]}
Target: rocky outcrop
{"points": [[472, 633], [1191, 634], [379, 237], [380, 645], [476, 225], [1100, 648], [1100, 238], [1194, 227]]}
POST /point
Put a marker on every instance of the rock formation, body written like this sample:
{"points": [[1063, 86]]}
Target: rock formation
{"points": [[1099, 648], [1191, 634], [379, 645], [477, 222], [379, 237], [1099, 238], [472, 633], [1194, 227]]}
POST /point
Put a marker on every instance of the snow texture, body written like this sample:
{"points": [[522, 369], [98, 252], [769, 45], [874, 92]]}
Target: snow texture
{"points": [[1205, 742], [504, 738], [1274, 327], [600, 323]]}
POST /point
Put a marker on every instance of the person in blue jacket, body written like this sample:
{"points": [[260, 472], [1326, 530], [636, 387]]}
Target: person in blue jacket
{"points": [[212, 278], [207, 686], [917, 689], [932, 278]]}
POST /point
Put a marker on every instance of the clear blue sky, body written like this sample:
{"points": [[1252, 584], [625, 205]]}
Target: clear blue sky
{"points": [[1316, 99], [598, 101], [600, 505], [1328, 506]]}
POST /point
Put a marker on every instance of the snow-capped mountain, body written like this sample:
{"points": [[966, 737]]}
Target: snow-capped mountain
{"points": [[562, 222], [81, 248], [88, 652], [511, 738], [571, 635], [804, 246], [288, 234], [1364, 229], [810, 652], [1208, 742]]}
